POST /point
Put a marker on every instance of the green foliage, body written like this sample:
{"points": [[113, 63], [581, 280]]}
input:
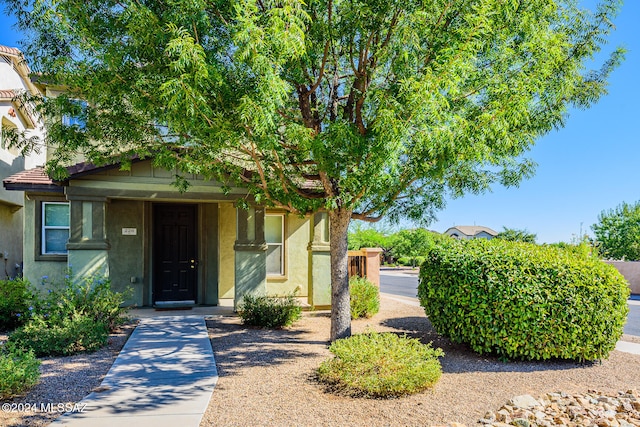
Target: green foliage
{"points": [[64, 337], [410, 246], [618, 232], [18, 370], [515, 235], [269, 312], [73, 318], [411, 261], [381, 365], [389, 106], [16, 303], [522, 301], [367, 238], [365, 298], [365, 109], [89, 296]]}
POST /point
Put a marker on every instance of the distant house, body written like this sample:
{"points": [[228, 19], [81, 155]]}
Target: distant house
{"points": [[15, 115], [471, 232]]}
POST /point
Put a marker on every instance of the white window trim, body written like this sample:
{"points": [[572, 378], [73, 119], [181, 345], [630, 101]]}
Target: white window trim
{"points": [[281, 244], [43, 244]]}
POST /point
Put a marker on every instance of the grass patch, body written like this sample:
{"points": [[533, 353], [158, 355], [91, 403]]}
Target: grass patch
{"points": [[380, 365]]}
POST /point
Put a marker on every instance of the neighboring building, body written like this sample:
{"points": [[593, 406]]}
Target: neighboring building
{"points": [[172, 248], [14, 114], [471, 232]]}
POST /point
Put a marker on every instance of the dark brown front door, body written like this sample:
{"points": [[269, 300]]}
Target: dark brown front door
{"points": [[175, 253]]}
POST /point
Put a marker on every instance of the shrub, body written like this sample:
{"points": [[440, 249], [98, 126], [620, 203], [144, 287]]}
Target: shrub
{"points": [[91, 297], [18, 370], [365, 299], [380, 365], [269, 312], [16, 303], [71, 335], [519, 300]]}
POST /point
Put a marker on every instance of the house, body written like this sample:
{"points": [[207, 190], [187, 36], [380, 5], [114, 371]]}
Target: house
{"points": [[471, 232], [17, 116], [171, 248]]}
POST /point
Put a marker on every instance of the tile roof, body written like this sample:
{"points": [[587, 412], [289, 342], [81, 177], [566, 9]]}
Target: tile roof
{"points": [[7, 95], [31, 179], [10, 50]]}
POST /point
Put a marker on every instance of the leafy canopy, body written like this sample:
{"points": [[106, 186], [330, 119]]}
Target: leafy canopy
{"points": [[516, 235], [617, 232], [373, 107]]}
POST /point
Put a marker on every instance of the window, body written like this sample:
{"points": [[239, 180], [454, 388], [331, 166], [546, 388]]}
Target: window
{"points": [[55, 228], [274, 235]]}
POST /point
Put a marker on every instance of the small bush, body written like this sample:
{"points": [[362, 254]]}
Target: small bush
{"points": [[18, 370], [71, 335], [380, 365], [91, 297], [365, 299], [522, 301], [269, 312], [16, 303]]}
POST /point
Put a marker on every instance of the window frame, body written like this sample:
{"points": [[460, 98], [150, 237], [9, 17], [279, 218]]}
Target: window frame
{"points": [[41, 254], [282, 244]]}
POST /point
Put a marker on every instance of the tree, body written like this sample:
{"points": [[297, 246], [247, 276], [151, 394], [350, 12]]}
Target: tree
{"points": [[515, 235], [413, 244], [362, 108], [367, 238], [617, 232]]}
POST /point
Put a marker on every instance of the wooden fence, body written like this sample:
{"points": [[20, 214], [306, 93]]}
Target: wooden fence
{"points": [[365, 263]]}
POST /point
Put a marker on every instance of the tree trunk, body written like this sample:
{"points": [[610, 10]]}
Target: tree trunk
{"points": [[340, 300]]}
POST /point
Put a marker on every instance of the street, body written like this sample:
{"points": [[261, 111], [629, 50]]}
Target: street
{"points": [[405, 283]]}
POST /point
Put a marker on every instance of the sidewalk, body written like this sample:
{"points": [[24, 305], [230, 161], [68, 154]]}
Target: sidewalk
{"points": [[164, 376]]}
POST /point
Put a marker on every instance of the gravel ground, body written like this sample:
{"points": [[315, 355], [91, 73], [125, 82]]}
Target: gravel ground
{"points": [[267, 377], [63, 380]]}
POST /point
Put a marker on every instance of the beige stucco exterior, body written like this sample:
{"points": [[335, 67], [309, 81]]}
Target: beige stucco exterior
{"points": [[298, 233], [14, 80]]}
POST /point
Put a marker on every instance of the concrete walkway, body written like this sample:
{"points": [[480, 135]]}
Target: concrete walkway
{"points": [[164, 376]]}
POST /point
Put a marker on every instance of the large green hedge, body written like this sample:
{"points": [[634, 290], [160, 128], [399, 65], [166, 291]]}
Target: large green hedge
{"points": [[522, 301]]}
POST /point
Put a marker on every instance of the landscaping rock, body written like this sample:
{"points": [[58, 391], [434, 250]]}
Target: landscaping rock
{"points": [[561, 409]]}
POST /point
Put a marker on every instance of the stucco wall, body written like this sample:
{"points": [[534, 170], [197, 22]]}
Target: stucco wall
{"points": [[34, 270], [296, 259], [631, 271], [10, 241], [227, 238], [128, 253]]}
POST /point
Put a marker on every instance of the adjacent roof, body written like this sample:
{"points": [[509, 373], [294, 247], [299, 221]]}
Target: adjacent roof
{"points": [[472, 230], [36, 179], [10, 50], [32, 180]]}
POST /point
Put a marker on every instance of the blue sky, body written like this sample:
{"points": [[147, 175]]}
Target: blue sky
{"points": [[590, 165]]}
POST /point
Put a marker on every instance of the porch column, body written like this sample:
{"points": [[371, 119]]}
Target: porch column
{"points": [[320, 262], [250, 253], [88, 247]]}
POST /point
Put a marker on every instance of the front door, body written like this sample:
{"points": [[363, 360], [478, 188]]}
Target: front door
{"points": [[175, 253]]}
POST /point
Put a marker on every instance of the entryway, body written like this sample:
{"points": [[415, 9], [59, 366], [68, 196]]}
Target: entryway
{"points": [[175, 257]]}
